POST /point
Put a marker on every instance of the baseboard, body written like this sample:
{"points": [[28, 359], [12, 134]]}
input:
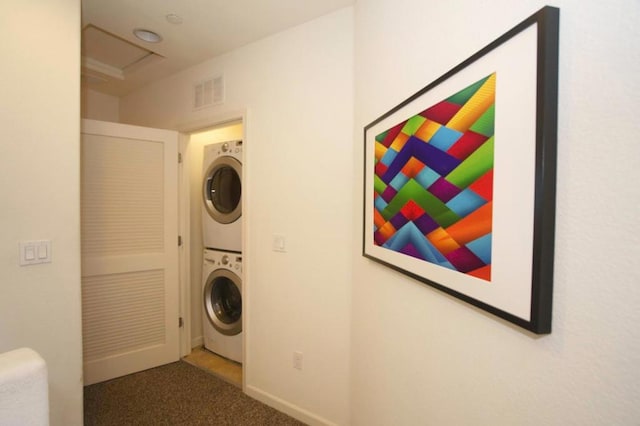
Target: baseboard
{"points": [[287, 408], [197, 342]]}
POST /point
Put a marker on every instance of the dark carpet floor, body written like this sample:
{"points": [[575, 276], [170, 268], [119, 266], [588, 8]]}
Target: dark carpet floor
{"points": [[175, 394]]}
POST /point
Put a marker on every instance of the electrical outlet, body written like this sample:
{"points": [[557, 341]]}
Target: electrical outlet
{"points": [[297, 360]]}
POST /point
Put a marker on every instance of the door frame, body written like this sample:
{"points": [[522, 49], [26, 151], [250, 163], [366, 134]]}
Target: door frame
{"points": [[184, 226]]}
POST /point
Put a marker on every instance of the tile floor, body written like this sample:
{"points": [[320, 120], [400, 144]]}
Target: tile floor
{"points": [[226, 369]]}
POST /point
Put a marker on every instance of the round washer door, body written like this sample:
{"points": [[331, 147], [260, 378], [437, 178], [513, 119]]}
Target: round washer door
{"points": [[222, 190], [223, 301]]}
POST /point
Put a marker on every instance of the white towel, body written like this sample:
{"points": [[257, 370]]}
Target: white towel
{"points": [[24, 395]]}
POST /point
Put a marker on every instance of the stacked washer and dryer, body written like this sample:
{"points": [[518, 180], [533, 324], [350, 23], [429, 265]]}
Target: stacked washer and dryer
{"points": [[222, 236]]}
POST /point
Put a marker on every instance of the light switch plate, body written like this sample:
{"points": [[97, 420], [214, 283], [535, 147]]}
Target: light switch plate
{"points": [[279, 243], [34, 252]]}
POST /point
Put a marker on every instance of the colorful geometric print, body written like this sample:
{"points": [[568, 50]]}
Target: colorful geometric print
{"points": [[433, 182]]}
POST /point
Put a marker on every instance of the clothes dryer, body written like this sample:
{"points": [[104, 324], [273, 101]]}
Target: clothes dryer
{"points": [[222, 302], [222, 196]]}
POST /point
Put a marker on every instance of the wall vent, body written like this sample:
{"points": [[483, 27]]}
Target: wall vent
{"points": [[208, 92]]}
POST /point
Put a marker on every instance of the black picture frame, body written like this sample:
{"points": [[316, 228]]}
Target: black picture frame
{"points": [[520, 289]]}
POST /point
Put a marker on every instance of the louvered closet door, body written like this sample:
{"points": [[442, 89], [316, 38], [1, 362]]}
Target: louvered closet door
{"points": [[130, 290]]}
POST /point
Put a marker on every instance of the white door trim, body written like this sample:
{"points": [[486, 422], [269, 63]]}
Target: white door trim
{"points": [[195, 126], [184, 251]]}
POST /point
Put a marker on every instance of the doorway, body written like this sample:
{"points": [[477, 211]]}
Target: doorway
{"points": [[186, 215], [192, 201]]}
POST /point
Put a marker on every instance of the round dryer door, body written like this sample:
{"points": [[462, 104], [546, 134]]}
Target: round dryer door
{"points": [[223, 189], [223, 301]]}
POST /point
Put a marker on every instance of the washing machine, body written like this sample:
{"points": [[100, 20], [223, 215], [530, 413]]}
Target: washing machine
{"points": [[222, 196], [222, 296]]}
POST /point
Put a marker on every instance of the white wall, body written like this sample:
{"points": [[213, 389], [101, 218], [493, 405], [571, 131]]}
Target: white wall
{"points": [[39, 191], [297, 90], [99, 106], [421, 357]]}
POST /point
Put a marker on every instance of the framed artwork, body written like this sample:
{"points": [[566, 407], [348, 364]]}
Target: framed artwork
{"points": [[459, 179]]}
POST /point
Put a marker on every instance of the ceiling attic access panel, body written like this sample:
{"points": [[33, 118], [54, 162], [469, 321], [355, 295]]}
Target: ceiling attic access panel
{"points": [[106, 57]]}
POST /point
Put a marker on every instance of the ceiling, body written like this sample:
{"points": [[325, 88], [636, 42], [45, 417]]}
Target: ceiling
{"points": [[115, 62]]}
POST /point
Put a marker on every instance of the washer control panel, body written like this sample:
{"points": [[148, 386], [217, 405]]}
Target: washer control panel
{"points": [[232, 261]]}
